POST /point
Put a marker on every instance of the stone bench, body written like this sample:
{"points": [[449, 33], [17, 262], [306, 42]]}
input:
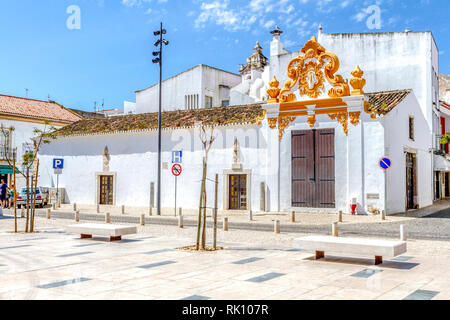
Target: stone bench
{"points": [[351, 246], [114, 232]]}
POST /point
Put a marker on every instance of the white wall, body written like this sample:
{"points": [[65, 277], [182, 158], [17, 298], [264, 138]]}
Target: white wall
{"points": [[22, 135], [397, 143], [356, 163], [390, 61], [200, 80], [134, 158]]}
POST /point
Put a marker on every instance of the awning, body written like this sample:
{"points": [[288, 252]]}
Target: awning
{"points": [[441, 163], [6, 169]]}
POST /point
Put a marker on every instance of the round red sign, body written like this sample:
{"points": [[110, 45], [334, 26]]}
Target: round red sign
{"points": [[176, 170]]}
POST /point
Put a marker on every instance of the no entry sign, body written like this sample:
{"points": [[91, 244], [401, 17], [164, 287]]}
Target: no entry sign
{"points": [[176, 170]]}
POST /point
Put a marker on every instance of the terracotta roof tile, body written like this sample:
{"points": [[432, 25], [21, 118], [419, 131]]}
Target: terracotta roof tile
{"points": [[38, 109], [252, 113], [172, 119], [385, 101]]}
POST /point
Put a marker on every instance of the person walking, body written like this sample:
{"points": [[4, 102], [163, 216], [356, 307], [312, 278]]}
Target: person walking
{"points": [[11, 197], [3, 192]]}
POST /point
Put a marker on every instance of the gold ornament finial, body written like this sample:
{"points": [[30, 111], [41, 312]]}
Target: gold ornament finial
{"points": [[311, 70], [274, 91], [357, 82]]}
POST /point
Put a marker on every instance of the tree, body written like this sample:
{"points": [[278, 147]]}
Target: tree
{"points": [[30, 162], [207, 139]]}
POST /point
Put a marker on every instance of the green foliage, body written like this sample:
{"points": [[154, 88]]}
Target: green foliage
{"points": [[445, 138]]}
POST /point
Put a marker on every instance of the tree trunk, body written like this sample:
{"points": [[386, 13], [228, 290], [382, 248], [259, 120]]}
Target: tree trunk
{"points": [[216, 186], [205, 202], [28, 199], [204, 217], [200, 207], [15, 195], [35, 182]]}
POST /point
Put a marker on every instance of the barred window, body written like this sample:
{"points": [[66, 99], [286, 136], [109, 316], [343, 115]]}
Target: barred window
{"points": [[411, 128]]}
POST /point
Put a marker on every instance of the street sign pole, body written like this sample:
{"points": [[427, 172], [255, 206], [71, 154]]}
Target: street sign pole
{"points": [[176, 196], [176, 171], [57, 189]]}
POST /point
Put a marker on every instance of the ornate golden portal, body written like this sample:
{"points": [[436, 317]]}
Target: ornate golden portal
{"points": [[310, 71]]}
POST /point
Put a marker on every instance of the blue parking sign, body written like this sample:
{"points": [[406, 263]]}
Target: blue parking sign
{"points": [[177, 157], [58, 163]]}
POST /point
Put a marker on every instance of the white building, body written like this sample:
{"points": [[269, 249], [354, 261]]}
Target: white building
{"points": [[26, 115], [315, 146], [199, 87]]}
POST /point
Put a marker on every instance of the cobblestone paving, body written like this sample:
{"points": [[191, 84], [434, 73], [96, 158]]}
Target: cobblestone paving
{"points": [[52, 264]]}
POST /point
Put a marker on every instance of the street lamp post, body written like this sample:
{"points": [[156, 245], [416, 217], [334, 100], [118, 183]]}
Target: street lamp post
{"points": [[158, 54]]}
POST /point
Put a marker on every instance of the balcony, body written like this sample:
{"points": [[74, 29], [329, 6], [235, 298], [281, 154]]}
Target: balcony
{"points": [[8, 153]]}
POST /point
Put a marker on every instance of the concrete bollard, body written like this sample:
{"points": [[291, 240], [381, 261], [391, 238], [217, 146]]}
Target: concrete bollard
{"points": [[225, 224], [123, 209], [107, 218], [150, 213], [276, 226], [59, 203], [340, 216], [180, 212], [402, 233], [98, 209], [1, 212], [74, 207], [180, 222], [334, 230], [250, 215], [293, 216], [383, 215], [22, 213], [77, 216], [48, 213], [142, 220], [54, 206]]}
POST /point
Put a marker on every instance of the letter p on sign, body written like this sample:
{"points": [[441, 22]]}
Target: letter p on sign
{"points": [[58, 163]]}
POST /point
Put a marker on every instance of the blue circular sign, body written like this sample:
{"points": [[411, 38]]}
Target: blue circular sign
{"points": [[385, 163]]}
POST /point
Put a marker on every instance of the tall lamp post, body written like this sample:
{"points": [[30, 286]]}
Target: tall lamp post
{"points": [[158, 54]]}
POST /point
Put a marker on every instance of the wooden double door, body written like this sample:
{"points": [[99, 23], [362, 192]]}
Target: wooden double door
{"points": [[313, 169]]}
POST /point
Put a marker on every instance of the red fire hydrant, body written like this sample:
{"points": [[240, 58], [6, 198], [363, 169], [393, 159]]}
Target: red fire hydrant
{"points": [[353, 205]]}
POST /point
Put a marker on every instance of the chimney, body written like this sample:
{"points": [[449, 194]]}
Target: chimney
{"points": [[276, 47]]}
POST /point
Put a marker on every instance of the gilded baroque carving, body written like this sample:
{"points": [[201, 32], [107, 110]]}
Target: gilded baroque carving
{"points": [[283, 122], [357, 82], [274, 91], [260, 119], [312, 120], [311, 70], [354, 117], [342, 118], [373, 114], [272, 122]]}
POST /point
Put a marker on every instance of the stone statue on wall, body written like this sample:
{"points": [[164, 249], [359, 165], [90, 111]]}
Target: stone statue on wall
{"points": [[236, 155], [106, 159]]}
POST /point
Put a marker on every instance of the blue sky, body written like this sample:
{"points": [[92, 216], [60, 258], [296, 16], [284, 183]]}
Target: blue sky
{"points": [[109, 56]]}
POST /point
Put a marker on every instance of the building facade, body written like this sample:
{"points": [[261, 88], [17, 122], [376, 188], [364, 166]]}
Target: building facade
{"points": [[195, 88], [314, 145], [26, 115]]}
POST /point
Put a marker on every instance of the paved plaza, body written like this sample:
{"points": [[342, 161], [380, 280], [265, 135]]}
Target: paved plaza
{"points": [[53, 264]]}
